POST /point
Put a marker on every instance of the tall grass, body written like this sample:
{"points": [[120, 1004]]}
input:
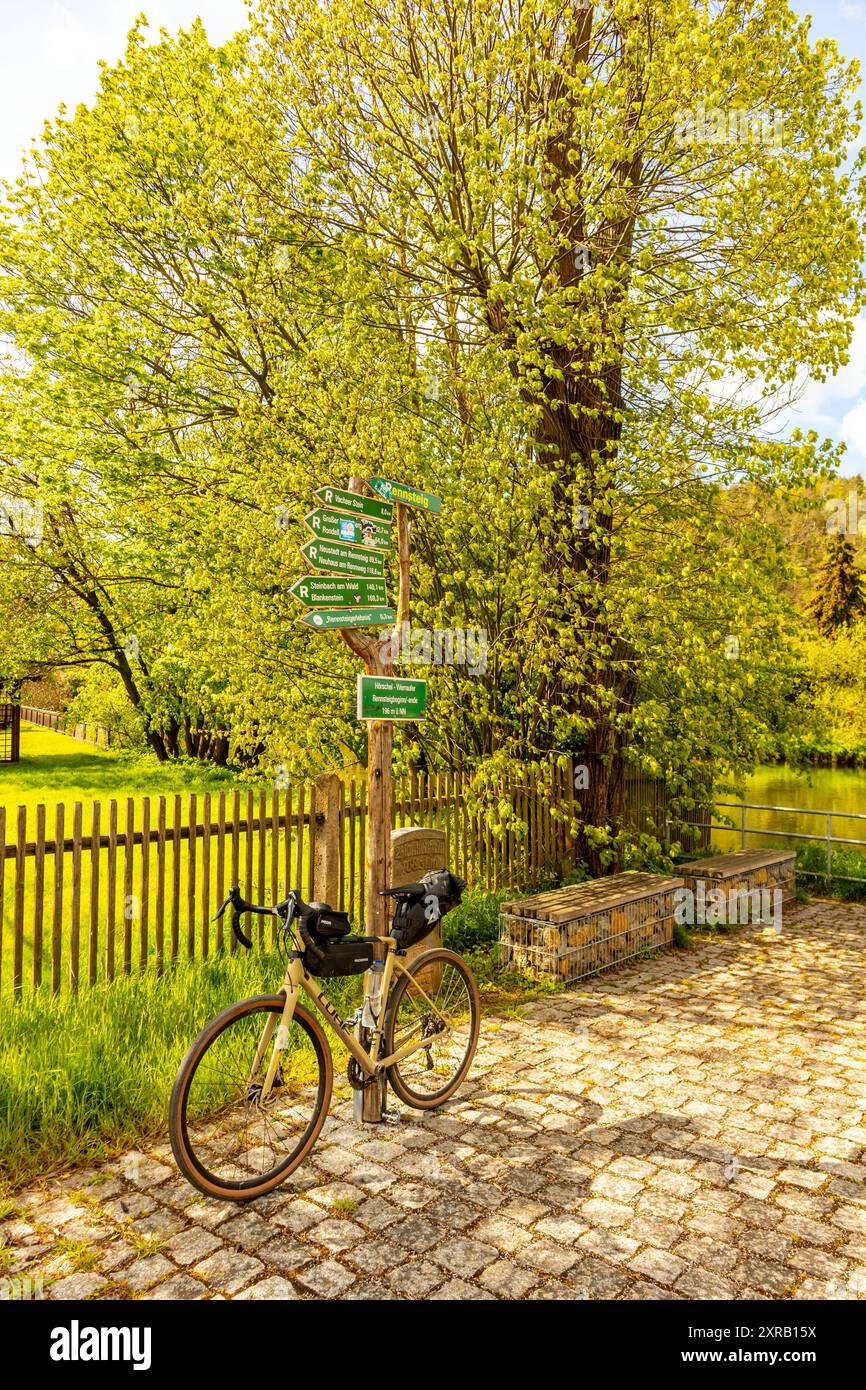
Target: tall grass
{"points": [[84, 1077], [848, 865], [88, 1075]]}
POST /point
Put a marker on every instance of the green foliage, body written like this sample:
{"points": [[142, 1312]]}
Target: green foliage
{"points": [[197, 348], [474, 923], [848, 866]]}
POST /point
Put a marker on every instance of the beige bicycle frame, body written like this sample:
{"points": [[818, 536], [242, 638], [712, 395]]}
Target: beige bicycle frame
{"points": [[369, 1061]]}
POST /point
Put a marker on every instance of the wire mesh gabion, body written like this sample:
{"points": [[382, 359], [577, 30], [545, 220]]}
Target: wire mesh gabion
{"points": [[570, 939]]}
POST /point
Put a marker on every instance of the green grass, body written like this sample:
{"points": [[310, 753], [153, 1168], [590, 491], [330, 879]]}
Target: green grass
{"points": [[55, 769], [85, 1077], [88, 1076], [848, 863]]}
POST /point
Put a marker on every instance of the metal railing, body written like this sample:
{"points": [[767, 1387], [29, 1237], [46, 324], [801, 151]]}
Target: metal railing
{"points": [[826, 838]]}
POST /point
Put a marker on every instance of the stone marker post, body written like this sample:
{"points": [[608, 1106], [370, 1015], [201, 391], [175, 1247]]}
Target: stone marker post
{"points": [[415, 850]]}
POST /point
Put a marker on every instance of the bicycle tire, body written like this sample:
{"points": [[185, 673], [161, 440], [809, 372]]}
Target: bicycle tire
{"points": [[191, 1164], [399, 1079]]}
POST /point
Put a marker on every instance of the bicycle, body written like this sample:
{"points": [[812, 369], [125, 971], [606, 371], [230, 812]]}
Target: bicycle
{"points": [[253, 1090]]}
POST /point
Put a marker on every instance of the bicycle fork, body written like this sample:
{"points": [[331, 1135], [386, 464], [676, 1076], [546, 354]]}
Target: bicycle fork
{"points": [[279, 1041]]}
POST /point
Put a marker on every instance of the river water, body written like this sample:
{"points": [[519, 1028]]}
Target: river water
{"points": [[841, 790]]}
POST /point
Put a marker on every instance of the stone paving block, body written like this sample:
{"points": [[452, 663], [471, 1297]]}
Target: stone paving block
{"points": [[143, 1273], [458, 1291], [249, 1231], [76, 1286], [464, 1257], [508, 1280], [417, 1234], [272, 1287], [326, 1279], [226, 1271], [192, 1245], [660, 1265], [178, 1289], [415, 1278], [374, 1257]]}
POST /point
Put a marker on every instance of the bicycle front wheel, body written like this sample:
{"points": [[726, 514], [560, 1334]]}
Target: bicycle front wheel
{"points": [[446, 1016], [225, 1140]]}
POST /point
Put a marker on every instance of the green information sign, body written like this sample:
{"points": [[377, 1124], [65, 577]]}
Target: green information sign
{"points": [[355, 503], [352, 530], [344, 559], [390, 697], [401, 492], [327, 591], [324, 618]]}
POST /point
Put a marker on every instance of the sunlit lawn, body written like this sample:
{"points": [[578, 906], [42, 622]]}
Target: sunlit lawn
{"points": [[55, 768]]}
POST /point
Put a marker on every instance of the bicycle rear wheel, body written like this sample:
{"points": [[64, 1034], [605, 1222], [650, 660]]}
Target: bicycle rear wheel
{"points": [[225, 1141], [430, 1076]]}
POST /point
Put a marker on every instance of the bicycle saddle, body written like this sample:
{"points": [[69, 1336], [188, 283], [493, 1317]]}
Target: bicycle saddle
{"points": [[406, 890]]}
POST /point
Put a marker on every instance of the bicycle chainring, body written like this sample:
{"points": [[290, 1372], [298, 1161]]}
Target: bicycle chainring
{"points": [[358, 1079]]}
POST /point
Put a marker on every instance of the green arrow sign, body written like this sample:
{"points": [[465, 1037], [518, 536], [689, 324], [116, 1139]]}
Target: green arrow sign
{"points": [[355, 503], [349, 529], [390, 697], [401, 492], [324, 618], [326, 591], [344, 559]]}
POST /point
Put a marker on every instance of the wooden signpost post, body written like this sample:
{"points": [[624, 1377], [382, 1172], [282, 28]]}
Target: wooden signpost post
{"points": [[351, 534]]}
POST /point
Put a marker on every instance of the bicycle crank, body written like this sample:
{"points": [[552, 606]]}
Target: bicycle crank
{"points": [[358, 1078]]}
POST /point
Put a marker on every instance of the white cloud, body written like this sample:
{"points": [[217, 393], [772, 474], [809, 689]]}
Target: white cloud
{"points": [[853, 427], [851, 11]]}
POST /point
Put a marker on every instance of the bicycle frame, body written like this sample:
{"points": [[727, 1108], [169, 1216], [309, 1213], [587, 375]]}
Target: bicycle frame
{"points": [[369, 1061]]}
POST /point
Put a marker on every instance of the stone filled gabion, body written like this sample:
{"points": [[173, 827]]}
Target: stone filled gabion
{"points": [[574, 932]]}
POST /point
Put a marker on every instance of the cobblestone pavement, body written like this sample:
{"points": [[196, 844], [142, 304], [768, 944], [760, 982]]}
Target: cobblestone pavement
{"points": [[689, 1127]]}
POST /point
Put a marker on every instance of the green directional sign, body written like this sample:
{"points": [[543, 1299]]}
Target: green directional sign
{"points": [[344, 559], [325, 618], [352, 530], [327, 591], [355, 503], [401, 492], [391, 697]]}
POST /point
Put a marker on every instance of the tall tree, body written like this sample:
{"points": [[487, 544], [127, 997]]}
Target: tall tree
{"points": [[838, 598], [531, 182]]}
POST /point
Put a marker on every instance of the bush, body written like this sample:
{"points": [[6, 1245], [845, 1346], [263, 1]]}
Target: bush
{"points": [[474, 925]]}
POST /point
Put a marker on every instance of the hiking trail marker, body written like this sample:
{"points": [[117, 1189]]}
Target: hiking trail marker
{"points": [[392, 698], [332, 591], [328, 618], [339, 558], [404, 494], [355, 503]]}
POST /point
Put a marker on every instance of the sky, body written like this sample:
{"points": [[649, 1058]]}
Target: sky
{"points": [[50, 50]]}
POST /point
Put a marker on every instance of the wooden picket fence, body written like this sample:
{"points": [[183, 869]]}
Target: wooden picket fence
{"points": [[109, 889], [86, 731]]}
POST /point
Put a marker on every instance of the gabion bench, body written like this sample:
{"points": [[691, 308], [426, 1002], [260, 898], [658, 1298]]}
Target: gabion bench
{"points": [[742, 872], [569, 933]]}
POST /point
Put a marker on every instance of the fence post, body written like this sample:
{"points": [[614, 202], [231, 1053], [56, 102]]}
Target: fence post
{"points": [[743, 825], [325, 814], [829, 847]]}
